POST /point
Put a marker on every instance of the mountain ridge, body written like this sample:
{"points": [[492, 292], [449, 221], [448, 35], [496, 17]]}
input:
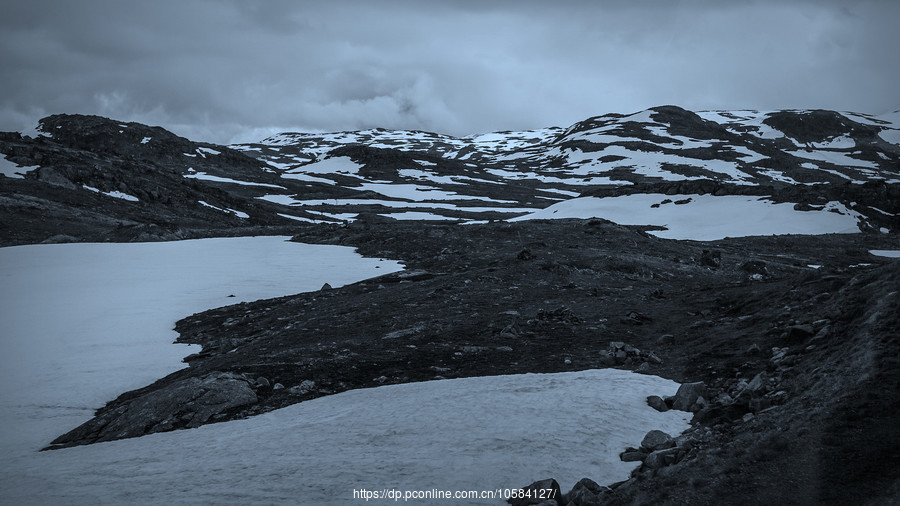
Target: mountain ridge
{"points": [[135, 178]]}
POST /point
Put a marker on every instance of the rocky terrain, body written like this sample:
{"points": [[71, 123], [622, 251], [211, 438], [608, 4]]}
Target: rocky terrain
{"points": [[787, 344]]}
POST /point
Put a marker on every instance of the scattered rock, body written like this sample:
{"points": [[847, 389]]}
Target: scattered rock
{"points": [[326, 287], [657, 440], [656, 402], [586, 493], [632, 456], [660, 458], [262, 382], [687, 395], [304, 387]]}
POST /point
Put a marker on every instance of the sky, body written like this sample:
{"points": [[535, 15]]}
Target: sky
{"points": [[230, 71]]}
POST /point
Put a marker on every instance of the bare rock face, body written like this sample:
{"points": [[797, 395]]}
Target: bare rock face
{"points": [[187, 403]]}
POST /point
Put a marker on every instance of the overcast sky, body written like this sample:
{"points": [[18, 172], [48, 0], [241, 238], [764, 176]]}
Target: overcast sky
{"points": [[226, 71]]}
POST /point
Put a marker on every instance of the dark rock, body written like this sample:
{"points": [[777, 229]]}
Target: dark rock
{"points": [[758, 383], [755, 267], [799, 333], [632, 456], [586, 493], [644, 367], [262, 382], [540, 491], [656, 402], [753, 349], [657, 440], [711, 258], [326, 287], [687, 395], [660, 458]]}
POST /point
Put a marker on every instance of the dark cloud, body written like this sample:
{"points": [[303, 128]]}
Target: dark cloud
{"points": [[238, 70]]}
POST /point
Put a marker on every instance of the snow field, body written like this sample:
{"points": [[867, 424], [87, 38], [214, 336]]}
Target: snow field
{"points": [[85, 322]]}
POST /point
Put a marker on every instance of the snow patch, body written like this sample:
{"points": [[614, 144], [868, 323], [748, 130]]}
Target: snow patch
{"points": [[889, 253], [705, 217], [479, 433], [13, 170]]}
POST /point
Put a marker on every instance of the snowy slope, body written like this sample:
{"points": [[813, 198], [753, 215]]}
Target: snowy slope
{"points": [[462, 434]]}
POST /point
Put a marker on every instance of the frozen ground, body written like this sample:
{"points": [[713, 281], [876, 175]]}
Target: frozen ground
{"points": [[705, 217]]}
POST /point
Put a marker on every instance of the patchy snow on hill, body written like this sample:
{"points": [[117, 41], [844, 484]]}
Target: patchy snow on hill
{"points": [[705, 217]]}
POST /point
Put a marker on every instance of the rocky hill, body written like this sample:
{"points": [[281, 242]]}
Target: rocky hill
{"points": [[88, 177]]}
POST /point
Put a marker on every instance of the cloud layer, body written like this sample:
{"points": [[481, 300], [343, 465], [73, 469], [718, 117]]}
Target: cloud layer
{"points": [[228, 71]]}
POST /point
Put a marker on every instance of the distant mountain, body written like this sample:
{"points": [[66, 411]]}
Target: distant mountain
{"points": [[87, 177]]}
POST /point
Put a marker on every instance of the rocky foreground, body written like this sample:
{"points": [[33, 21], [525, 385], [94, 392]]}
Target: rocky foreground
{"points": [[787, 344]]}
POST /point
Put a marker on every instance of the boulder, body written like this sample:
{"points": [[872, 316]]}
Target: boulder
{"points": [[758, 383], [661, 458], [687, 395], [586, 493], [657, 440], [541, 492], [656, 402], [632, 456]]}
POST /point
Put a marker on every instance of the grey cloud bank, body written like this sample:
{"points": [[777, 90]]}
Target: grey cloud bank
{"points": [[229, 71]]}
